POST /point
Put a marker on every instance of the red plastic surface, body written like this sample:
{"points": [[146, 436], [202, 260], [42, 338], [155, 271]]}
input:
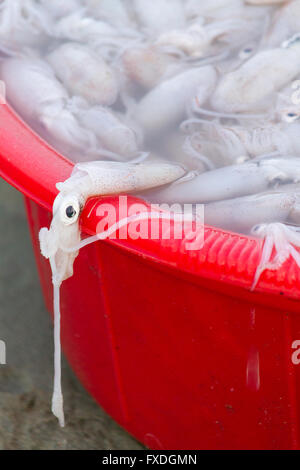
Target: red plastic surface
{"points": [[173, 344]]}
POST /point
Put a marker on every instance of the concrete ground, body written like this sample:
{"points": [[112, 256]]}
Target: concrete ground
{"points": [[26, 421]]}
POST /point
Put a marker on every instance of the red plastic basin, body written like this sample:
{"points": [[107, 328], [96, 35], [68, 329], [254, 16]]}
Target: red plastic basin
{"points": [[172, 344]]}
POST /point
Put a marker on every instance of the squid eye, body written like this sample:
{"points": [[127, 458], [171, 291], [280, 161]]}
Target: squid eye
{"points": [[245, 53], [291, 117], [70, 212], [258, 230]]}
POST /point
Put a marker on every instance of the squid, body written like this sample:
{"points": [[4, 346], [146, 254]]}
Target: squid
{"points": [[196, 41], [47, 108], [252, 86], [160, 15], [62, 241], [241, 214], [165, 105], [226, 144], [22, 23], [84, 73], [285, 23], [230, 182]]}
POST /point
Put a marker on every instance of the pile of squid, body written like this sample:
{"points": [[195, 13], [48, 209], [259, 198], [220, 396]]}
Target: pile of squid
{"points": [[196, 101]]}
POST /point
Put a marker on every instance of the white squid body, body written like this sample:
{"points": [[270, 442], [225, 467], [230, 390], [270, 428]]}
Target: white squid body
{"points": [[214, 8], [84, 73], [113, 11], [113, 133], [196, 147], [286, 23], [196, 40], [252, 87], [147, 65], [61, 242], [231, 143], [79, 27], [266, 2], [165, 105], [59, 8], [22, 23], [174, 149], [243, 213], [288, 103], [31, 86], [230, 182], [160, 15], [40, 98], [219, 152]]}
